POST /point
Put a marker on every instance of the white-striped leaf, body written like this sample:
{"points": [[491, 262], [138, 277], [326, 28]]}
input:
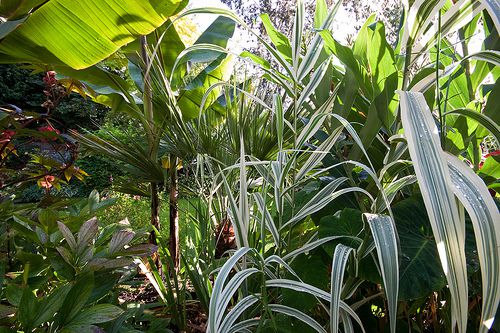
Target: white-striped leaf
{"points": [[314, 48], [386, 242], [391, 190], [240, 232], [298, 26], [297, 314], [228, 292], [237, 311], [458, 15], [316, 79], [244, 208], [217, 291], [319, 154], [320, 200], [312, 245], [490, 56], [434, 180], [474, 196], [267, 219], [339, 262], [243, 326]]}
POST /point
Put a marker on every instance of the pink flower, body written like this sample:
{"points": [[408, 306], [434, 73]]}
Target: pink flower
{"points": [[50, 78], [47, 181]]}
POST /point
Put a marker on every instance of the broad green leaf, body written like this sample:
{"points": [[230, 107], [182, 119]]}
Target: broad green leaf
{"points": [[420, 270], [346, 56], [9, 26], [482, 119], [229, 14], [96, 314], [279, 40], [87, 233], [381, 59], [76, 298], [256, 59], [68, 235], [216, 35], [119, 240], [51, 305], [347, 222], [80, 34], [360, 47], [28, 309], [167, 43], [491, 108], [320, 13], [191, 101], [435, 184], [474, 196], [490, 170]]}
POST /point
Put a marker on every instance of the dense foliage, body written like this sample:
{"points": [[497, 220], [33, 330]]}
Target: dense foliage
{"points": [[339, 187]]}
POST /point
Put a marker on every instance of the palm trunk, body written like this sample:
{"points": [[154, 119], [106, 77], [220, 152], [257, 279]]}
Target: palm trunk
{"points": [[174, 246], [155, 212]]}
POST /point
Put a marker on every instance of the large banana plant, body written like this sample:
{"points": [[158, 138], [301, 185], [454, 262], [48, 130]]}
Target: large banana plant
{"points": [[76, 34]]}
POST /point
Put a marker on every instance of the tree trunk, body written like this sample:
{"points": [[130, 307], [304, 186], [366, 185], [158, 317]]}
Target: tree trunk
{"points": [[174, 246], [155, 212]]}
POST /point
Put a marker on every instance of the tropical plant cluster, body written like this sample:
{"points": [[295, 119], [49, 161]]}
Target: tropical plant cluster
{"points": [[325, 188]]}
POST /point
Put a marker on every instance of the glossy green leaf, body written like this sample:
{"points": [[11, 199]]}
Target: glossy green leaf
{"points": [[280, 41], [482, 119], [51, 305], [97, 314], [76, 298], [80, 34]]}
